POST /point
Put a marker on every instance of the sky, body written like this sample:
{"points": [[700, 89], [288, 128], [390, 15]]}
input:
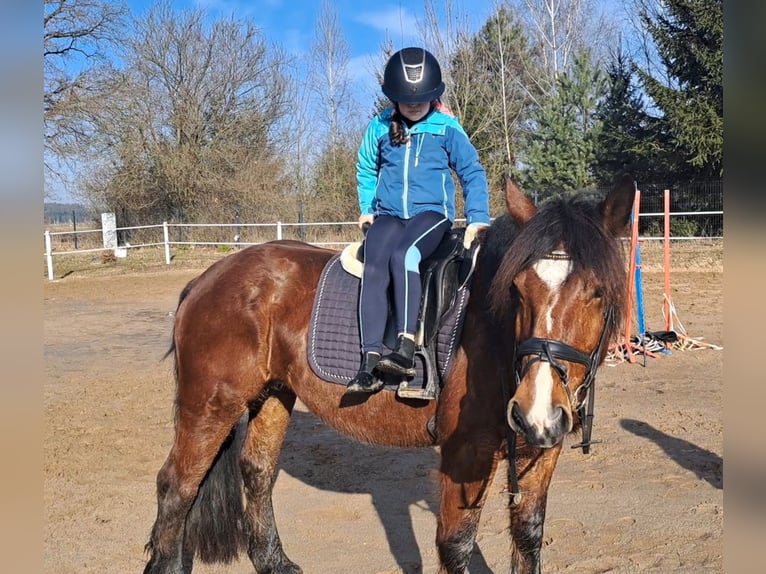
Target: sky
{"points": [[366, 24]]}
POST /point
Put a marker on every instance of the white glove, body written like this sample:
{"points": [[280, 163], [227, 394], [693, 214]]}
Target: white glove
{"points": [[470, 233], [366, 218]]}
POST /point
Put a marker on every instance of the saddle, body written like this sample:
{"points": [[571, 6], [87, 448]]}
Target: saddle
{"points": [[441, 274], [333, 331]]}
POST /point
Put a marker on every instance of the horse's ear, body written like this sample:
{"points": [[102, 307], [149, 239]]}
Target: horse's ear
{"points": [[616, 207], [519, 206]]}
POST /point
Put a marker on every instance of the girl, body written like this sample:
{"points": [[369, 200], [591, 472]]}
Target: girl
{"points": [[406, 192]]}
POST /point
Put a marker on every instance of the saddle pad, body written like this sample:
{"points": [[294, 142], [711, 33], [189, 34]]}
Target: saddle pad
{"points": [[333, 337]]}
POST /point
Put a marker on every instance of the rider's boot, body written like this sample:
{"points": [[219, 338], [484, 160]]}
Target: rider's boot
{"points": [[402, 360], [365, 381]]}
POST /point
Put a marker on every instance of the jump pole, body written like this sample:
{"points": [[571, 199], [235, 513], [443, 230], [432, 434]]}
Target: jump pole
{"points": [[631, 278], [668, 308], [666, 261]]}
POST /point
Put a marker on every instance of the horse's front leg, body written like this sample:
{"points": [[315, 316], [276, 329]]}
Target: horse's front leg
{"points": [[467, 468], [527, 509]]}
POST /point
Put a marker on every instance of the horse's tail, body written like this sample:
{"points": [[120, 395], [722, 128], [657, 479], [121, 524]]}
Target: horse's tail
{"points": [[184, 292], [215, 524]]}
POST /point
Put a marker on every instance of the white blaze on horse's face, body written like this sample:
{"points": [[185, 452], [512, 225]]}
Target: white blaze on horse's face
{"points": [[553, 272], [542, 417]]}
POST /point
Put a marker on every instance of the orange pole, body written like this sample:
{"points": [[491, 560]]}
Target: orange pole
{"points": [[631, 277], [666, 264]]}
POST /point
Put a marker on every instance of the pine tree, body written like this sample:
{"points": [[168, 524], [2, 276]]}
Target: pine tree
{"points": [[562, 147], [627, 142], [688, 35]]}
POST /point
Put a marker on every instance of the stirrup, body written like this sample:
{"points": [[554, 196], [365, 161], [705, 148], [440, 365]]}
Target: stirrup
{"points": [[406, 391]]}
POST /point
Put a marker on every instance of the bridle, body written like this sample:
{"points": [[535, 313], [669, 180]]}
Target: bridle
{"points": [[552, 352]]}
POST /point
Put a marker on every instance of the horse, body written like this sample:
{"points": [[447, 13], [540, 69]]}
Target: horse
{"points": [[547, 292]]}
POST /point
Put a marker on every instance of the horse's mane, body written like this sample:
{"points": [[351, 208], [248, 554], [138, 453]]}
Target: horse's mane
{"points": [[574, 223]]}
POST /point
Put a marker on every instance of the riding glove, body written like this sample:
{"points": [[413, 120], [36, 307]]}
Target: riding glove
{"points": [[470, 233]]}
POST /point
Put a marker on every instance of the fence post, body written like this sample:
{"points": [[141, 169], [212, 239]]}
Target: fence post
{"points": [[279, 230], [48, 256], [166, 238]]}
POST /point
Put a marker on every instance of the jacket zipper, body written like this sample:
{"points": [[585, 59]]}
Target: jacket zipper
{"points": [[405, 191]]}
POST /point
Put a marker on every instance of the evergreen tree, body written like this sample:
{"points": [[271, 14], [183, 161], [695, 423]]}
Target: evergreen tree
{"points": [[688, 35], [562, 147], [627, 140]]}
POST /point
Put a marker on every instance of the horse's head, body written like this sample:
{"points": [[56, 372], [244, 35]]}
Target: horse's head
{"points": [[563, 279]]}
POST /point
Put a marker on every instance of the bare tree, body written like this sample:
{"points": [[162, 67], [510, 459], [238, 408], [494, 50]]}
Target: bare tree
{"points": [[188, 127], [330, 59], [76, 37], [333, 187], [560, 29], [488, 83]]}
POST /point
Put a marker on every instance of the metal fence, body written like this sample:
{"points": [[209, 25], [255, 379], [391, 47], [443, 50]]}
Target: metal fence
{"points": [[224, 237]]}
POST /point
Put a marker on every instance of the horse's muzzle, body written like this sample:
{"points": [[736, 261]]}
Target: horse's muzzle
{"points": [[540, 433]]}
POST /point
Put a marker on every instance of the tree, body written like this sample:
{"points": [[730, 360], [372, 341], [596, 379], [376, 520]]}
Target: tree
{"points": [[559, 30], [333, 194], [688, 95], [627, 141], [492, 94], [76, 37], [562, 147], [187, 127]]}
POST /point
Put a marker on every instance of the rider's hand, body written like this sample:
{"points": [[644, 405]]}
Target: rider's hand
{"points": [[365, 219], [470, 233]]}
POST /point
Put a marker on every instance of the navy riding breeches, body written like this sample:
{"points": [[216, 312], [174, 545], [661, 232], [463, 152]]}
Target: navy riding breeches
{"points": [[393, 250]]}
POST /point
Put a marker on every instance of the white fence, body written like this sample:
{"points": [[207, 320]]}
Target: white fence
{"points": [[168, 235], [234, 235]]}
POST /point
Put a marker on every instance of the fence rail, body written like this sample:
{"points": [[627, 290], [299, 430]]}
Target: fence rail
{"points": [[225, 237]]}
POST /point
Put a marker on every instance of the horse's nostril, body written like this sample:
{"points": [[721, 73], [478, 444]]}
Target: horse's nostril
{"points": [[517, 417], [564, 419]]}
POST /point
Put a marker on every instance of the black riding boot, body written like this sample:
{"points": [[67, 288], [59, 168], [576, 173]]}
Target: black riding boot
{"points": [[365, 381], [402, 360]]}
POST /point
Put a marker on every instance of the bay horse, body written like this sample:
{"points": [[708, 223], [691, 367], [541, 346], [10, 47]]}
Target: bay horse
{"points": [[547, 293]]}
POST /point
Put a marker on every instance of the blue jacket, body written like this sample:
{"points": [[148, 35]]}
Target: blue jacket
{"points": [[408, 179]]}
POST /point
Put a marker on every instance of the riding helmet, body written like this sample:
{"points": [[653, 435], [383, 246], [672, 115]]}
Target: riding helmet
{"points": [[412, 75]]}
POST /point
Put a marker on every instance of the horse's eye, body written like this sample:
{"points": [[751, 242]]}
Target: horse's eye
{"points": [[598, 293]]}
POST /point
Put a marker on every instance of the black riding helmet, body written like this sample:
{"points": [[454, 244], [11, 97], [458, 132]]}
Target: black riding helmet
{"points": [[412, 75]]}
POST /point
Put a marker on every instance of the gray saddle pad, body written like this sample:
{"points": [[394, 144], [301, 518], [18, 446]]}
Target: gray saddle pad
{"points": [[333, 338]]}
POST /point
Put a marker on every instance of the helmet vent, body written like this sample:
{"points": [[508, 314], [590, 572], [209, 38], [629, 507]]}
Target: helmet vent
{"points": [[414, 74]]}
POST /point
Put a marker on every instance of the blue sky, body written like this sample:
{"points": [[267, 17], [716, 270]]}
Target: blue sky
{"points": [[365, 23]]}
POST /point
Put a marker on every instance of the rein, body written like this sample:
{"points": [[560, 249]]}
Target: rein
{"points": [[552, 352]]}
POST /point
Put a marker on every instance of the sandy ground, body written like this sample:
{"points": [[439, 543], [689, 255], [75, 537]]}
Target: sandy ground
{"points": [[647, 499]]}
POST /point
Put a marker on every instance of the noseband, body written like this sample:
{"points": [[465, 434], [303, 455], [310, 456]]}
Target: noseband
{"points": [[552, 351]]}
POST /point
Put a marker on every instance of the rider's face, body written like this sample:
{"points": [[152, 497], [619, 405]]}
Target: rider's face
{"points": [[414, 112]]}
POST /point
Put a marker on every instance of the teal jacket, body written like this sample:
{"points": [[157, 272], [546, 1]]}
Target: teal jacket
{"points": [[404, 180]]}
